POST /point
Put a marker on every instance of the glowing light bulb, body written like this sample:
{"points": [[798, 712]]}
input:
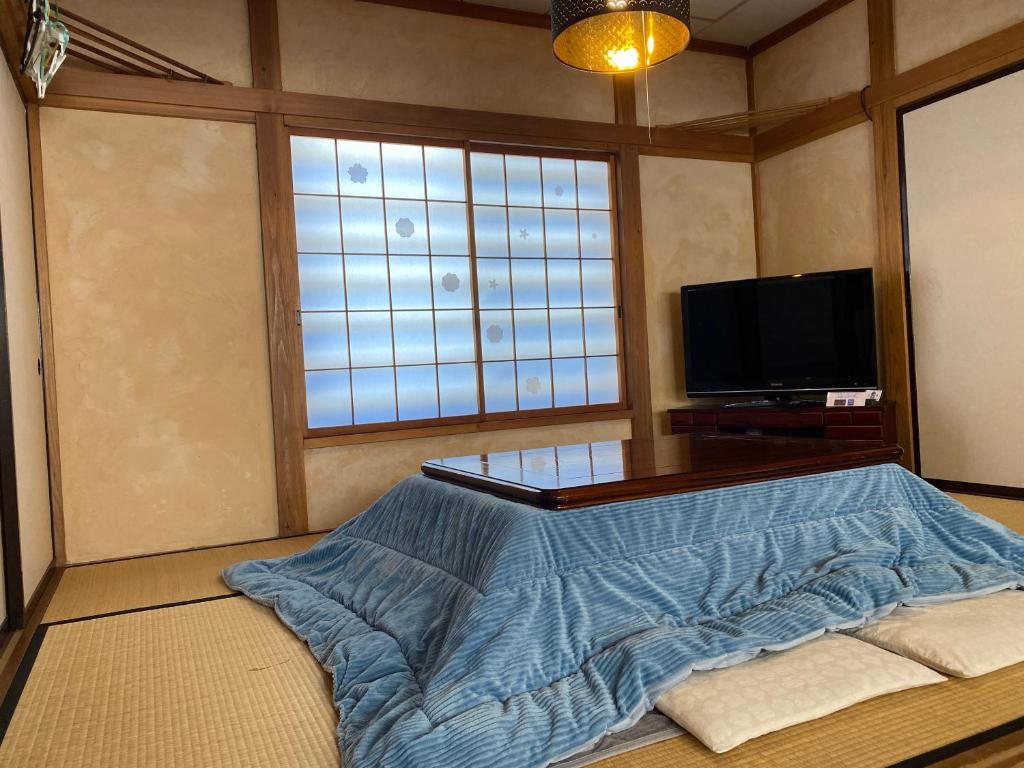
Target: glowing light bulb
{"points": [[623, 58]]}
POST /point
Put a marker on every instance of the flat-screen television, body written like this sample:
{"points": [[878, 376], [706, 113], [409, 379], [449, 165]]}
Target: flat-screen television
{"points": [[780, 335]]}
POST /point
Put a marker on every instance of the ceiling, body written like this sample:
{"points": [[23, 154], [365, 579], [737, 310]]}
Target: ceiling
{"points": [[740, 22]]}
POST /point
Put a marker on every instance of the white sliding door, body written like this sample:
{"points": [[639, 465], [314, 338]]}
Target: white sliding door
{"points": [[965, 208]]}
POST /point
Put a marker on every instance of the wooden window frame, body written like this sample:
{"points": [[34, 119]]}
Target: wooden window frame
{"points": [[482, 420]]}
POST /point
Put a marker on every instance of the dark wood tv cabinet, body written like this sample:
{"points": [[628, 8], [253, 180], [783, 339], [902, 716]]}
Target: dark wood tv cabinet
{"points": [[870, 422]]}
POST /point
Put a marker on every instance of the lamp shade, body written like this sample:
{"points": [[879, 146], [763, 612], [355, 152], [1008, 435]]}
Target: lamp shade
{"points": [[618, 35]]}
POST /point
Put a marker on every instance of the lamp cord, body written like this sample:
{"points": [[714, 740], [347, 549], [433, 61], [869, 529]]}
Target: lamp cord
{"points": [[647, 85]]}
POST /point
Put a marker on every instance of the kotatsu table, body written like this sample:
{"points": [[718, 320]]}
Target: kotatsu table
{"points": [[569, 476]]}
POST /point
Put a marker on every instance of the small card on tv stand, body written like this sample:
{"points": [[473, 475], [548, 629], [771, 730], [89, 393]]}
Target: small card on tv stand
{"points": [[855, 399]]}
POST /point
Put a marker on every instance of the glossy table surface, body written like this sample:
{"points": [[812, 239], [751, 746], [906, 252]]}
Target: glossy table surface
{"points": [[593, 473]]}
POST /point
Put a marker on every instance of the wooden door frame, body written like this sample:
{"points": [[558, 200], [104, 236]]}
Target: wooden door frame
{"points": [[901, 112]]}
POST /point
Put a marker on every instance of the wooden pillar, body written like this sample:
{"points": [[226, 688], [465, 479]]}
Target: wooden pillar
{"points": [[281, 276]]}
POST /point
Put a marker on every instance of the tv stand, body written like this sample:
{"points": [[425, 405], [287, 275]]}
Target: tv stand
{"points": [[815, 419]]}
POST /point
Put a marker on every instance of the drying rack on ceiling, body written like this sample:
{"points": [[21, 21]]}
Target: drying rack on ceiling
{"points": [[753, 120], [112, 52]]}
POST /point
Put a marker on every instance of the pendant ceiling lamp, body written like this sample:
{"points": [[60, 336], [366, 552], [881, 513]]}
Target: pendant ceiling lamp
{"points": [[618, 35]]}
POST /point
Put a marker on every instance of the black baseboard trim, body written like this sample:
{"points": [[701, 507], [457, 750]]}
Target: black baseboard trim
{"points": [[959, 747], [978, 489]]}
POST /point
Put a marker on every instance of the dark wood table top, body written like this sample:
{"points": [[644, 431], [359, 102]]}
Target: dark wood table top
{"points": [[566, 476]]}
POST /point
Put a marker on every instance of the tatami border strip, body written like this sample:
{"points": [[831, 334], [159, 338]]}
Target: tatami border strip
{"points": [[10, 702], [961, 746]]}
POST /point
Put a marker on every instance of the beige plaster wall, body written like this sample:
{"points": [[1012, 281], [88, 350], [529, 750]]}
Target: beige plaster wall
{"points": [[927, 29], [818, 205], [19, 276], [698, 228], [343, 481], [335, 47], [211, 36], [828, 58], [967, 279], [159, 323], [691, 86]]}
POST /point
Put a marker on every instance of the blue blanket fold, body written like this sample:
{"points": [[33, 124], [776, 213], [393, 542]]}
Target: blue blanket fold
{"points": [[467, 631]]}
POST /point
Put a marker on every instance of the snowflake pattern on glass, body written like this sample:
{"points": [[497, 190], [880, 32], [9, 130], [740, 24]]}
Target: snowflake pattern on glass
{"points": [[404, 227], [533, 385], [559, 191], [524, 234], [493, 285], [358, 173], [450, 282], [495, 334]]}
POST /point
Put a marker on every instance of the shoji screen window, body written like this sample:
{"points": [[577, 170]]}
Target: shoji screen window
{"points": [[546, 281], [386, 282], [406, 315]]}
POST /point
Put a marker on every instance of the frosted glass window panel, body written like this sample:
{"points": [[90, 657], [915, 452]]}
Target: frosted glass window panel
{"points": [[559, 182], [449, 230], [457, 387], [321, 282], [499, 387], [488, 174], [532, 333], [453, 287], [561, 234], [410, 282], [529, 283], [564, 283], [366, 282], [570, 382], [490, 227], [370, 338], [566, 333], [324, 340], [362, 221], [417, 392], [593, 178], [316, 224], [403, 170], [595, 234], [407, 226], [328, 399], [598, 289], [446, 174], [455, 340], [493, 278], [534, 383], [603, 380], [526, 232], [359, 168], [523, 174], [496, 335], [314, 170], [373, 395], [600, 331], [414, 337]]}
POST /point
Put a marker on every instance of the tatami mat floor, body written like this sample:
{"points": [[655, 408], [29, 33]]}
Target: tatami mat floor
{"points": [[223, 683]]}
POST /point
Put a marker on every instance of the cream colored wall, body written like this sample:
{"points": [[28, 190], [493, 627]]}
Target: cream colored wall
{"points": [[212, 37], [160, 333], [19, 267], [927, 29], [967, 279], [344, 480], [692, 86], [828, 58], [818, 205], [698, 228], [335, 47]]}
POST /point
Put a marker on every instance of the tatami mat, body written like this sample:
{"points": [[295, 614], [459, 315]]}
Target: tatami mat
{"points": [[219, 684], [1009, 512], [89, 590]]}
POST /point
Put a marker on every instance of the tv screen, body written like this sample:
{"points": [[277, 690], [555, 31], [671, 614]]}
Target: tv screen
{"points": [[805, 333]]}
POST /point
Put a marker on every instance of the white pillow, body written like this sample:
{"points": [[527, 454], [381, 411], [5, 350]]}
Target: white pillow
{"points": [[726, 707], [964, 639]]}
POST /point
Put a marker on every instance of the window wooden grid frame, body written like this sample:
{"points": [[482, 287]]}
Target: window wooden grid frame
{"points": [[483, 418]]}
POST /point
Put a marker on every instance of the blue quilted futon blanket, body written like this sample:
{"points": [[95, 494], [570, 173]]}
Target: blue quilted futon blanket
{"points": [[465, 631]]}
